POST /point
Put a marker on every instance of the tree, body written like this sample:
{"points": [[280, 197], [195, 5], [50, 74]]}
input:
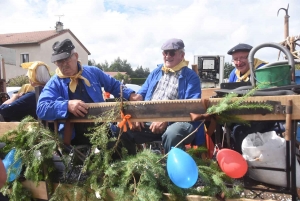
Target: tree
{"points": [[18, 81], [103, 66], [120, 77], [228, 67], [91, 62], [121, 66], [140, 72]]}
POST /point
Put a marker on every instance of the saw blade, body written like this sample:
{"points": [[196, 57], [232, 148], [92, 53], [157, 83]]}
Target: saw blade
{"points": [[141, 110]]}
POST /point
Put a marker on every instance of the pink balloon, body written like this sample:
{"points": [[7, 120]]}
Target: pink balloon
{"points": [[232, 163]]}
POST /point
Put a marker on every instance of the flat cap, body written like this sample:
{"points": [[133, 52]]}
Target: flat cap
{"points": [[241, 47], [62, 50], [173, 44]]}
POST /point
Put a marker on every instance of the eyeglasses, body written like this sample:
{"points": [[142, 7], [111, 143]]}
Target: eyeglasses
{"points": [[62, 61], [240, 59], [170, 52]]}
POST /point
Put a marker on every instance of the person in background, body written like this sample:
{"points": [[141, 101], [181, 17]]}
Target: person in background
{"points": [[23, 103], [240, 54], [241, 73], [171, 80], [73, 86]]}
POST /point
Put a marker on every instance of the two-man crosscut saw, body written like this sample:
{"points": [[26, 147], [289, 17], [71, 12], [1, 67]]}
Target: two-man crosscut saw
{"points": [[179, 110]]}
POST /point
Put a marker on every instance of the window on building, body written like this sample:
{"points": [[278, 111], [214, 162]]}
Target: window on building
{"points": [[24, 58]]}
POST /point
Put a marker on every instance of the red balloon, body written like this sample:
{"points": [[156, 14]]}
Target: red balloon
{"points": [[232, 163]]}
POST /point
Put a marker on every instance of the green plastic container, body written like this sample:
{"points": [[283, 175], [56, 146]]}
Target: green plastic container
{"points": [[273, 76]]}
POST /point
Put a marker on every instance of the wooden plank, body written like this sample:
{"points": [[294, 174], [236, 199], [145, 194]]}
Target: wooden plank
{"points": [[208, 198], [6, 126], [38, 191], [208, 92]]}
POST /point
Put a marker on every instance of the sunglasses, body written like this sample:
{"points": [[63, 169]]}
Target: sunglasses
{"points": [[170, 52]]}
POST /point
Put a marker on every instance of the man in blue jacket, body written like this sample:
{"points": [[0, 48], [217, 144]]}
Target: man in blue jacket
{"points": [[171, 80], [72, 87], [240, 54]]}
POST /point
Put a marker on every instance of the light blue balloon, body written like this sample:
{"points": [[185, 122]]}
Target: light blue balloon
{"points": [[12, 165], [182, 169]]}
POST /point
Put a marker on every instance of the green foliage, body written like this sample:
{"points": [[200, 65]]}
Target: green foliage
{"points": [[138, 81], [228, 103], [119, 65], [215, 181], [34, 145], [228, 67], [297, 66], [140, 72], [18, 81], [121, 77]]}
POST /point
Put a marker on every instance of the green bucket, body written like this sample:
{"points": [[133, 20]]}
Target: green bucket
{"points": [[273, 76]]}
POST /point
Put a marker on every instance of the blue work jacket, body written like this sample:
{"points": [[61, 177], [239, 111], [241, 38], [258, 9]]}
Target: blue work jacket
{"points": [[53, 100]]}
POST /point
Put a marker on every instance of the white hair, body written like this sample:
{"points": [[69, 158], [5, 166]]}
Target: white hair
{"points": [[42, 74]]}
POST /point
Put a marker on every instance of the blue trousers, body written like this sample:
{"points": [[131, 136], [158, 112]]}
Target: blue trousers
{"points": [[170, 138]]}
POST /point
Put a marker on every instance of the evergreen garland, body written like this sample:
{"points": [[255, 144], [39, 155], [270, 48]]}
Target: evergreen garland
{"points": [[226, 104]]}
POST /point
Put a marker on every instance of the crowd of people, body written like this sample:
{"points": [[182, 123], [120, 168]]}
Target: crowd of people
{"points": [[74, 85]]}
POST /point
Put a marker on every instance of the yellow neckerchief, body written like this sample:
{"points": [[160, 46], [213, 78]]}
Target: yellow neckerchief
{"points": [[73, 78], [26, 88], [179, 66], [245, 77], [31, 66]]}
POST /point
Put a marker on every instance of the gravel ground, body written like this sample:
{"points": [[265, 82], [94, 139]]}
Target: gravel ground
{"points": [[263, 194]]}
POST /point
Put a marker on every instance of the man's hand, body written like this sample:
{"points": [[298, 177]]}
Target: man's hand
{"points": [[135, 97], [137, 126], [78, 108], [158, 127]]}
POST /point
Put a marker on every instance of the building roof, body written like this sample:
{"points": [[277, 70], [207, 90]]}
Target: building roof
{"points": [[113, 74], [34, 37]]}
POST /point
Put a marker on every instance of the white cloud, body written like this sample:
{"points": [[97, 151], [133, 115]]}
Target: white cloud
{"points": [[135, 30]]}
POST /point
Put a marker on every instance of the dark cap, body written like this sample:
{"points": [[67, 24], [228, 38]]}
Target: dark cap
{"points": [[173, 44], [62, 50], [241, 47]]}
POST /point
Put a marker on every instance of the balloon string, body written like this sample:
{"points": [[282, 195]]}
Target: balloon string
{"points": [[183, 140]]}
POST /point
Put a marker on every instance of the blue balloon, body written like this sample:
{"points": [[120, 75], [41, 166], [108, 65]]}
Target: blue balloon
{"points": [[182, 169], [13, 166]]}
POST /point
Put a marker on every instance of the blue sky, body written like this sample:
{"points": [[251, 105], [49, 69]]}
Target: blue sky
{"points": [[135, 29]]}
